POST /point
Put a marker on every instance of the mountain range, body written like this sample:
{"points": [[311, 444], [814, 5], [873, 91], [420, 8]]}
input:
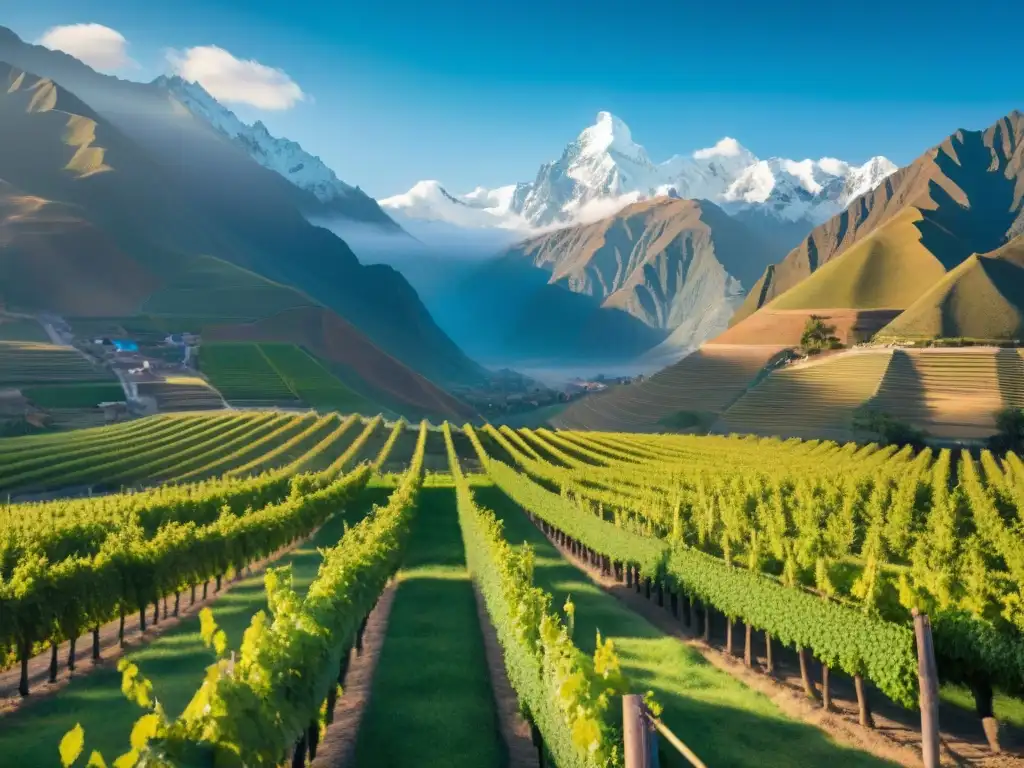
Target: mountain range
{"points": [[604, 169], [117, 199], [916, 230]]}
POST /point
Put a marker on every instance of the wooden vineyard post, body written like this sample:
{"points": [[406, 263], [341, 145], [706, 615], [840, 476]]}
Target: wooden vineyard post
{"points": [[639, 740], [805, 674], [928, 680]]}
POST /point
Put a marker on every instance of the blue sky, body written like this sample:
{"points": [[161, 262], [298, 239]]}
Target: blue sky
{"points": [[481, 92]]}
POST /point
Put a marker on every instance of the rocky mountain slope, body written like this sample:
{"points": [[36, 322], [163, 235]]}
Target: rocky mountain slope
{"points": [[892, 244], [238, 213], [678, 266]]}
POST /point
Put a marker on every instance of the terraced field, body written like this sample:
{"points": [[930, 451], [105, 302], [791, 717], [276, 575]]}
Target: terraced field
{"points": [[27, 363], [249, 373], [815, 399], [182, 393], [242, 373], [22, 329], [73, 395], [313, 383], [701, 385], [946, 392]]}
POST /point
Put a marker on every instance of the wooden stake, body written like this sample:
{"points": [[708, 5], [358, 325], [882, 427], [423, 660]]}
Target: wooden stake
{"points": [[770, 669], [748, 650], [53, 661], [826, 690], [928, 681], [26, 651], [982, 692], [728, 636], [637, 736], [805, 674], [863, 705]]}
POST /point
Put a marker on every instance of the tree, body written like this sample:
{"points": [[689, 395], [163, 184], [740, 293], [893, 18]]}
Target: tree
{"points": [[1010, 430], [818, 336]]}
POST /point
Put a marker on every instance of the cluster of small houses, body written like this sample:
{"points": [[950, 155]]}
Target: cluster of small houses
{"points": [[124, 355]]}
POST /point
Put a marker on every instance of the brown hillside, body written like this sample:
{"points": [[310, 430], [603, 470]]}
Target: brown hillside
{"points": [[334, 339], [178, 188], [784, 327], [656, 260], [51, 257], [961, 197]]}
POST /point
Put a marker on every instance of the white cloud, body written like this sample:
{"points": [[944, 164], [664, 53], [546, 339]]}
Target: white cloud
{"points": [[98, 46], [597, 209], [727, 147], [230, 79]]}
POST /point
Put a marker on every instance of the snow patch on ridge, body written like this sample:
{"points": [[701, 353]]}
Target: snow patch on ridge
{"points": [[281, 155]]}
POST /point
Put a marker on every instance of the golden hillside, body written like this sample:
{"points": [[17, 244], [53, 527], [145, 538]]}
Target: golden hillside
{"points": [[890, 245], [981, 299]]}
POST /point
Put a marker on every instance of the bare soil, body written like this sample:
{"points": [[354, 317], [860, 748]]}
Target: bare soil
{"points": [[337, 748]]}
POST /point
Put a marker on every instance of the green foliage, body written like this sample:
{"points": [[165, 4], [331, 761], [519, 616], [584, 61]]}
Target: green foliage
{"points": [[679, 420], [313, 383], [566, 695], [73, 395], [839, 636], [892, 431], [240, 371], [128, 570], [818, 336], [1009, 430]]}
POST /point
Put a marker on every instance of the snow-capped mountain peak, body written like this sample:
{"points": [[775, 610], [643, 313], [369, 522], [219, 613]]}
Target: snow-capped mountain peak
{"points": [[604, 169], [609, 134], [281, 155]]}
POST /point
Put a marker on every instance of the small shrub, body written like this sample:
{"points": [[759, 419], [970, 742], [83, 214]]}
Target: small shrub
{"points": [[890, 430], [1009, 430]]}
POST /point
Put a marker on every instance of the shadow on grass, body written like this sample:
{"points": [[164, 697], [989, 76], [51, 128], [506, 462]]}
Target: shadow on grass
{"points": [[432, 703], [723, 721], [175, 663]]}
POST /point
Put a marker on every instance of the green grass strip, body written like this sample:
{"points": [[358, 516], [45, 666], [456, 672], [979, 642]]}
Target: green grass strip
{"points": [[175, 662], [432, 704], [724, 722]]}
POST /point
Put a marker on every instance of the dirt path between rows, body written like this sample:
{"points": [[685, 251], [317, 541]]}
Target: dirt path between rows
{"points": [[110, 649], [337, 749], [515, 731], [897, 735]]}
